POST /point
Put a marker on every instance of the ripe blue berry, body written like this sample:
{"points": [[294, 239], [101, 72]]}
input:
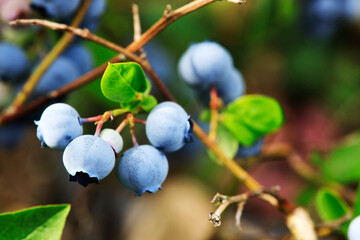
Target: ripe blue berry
{"points": [[88, 159], [142, 168], [352, 9], [354, 229], [204, 64], [95, 10], [168, 127], [80, 57], [60, 73], [56, 8], [13, 62], [59, 124], [252, 150]]}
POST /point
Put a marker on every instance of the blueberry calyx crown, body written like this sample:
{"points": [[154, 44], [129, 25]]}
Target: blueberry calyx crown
{"points": [[189, 134], [83, 179]]}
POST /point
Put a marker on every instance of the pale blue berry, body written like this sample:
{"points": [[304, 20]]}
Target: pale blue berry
{"points": [[142, 168], [168, 127], [88, 159], [59, 124]]}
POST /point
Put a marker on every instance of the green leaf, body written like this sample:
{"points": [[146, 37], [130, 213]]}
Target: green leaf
{"points": [[329, 205], [148, 87], [37, 223], [122, 82], [148, 103], [130, 106], [252, 116], [343, 163], [306, 195], [226, 142]]}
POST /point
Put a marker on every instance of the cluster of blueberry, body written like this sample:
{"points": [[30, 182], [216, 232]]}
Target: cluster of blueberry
{"points": [[208, 64], [90, 158], [323, 17]]}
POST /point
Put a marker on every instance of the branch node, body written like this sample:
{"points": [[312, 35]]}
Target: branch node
{"points": [[237, 1], [168, 11]]}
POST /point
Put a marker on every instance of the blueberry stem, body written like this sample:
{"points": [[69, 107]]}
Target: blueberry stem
{"points": [[214, 111], [122, 125], [91, 119], [131, 120]]}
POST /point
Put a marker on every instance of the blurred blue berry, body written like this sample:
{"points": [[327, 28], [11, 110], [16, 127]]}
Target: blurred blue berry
{"points": [[204, 64], [56, 8], [80, 56], [252, 150], [13, 62], [60, 73]]}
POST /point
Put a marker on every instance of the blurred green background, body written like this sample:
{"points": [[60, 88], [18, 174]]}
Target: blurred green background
{"points": [[315, 78]]}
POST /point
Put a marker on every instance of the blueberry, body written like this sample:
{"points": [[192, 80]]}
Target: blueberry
{"points": [[252, 150], [95, 10], [168, 127], [13, 62], [142, 168], [203, 64], [352, 9], [88, 159], [354, 229], [60, 73], [56, 8], [80, 57], [113, 138], [11, 135], [59, 124], [229, 88], [322, 17]]}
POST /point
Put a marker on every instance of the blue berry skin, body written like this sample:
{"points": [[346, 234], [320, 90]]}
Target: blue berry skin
{"points": [[322, 17], [204, 64], [59, 124], [168, 127], [88, 159], [95, 10], [352, 9], [142, 168], [80, 57], [250, 151], [11, 135], [231, 87], [354, 229], [60, 73], [13, 62], [56, 8]]}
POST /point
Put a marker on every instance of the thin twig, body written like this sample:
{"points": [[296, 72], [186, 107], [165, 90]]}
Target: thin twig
{"points": [[214, 110], [30, 84], [137, 27]]}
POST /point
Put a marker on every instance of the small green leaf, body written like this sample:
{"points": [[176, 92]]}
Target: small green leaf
{"points": [[148, 103], [252, 116], [122, 82], [37, 223], [343, 163], [306, 195], [226, 142], [148, 87], [329, 205]]}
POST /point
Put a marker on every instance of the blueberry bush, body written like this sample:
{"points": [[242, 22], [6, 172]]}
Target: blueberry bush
{"points": [[250, 106]]}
